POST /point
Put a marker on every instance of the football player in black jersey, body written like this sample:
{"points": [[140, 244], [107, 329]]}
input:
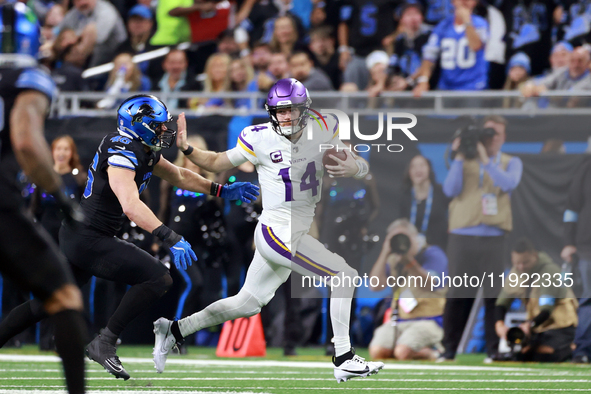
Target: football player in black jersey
{"points": [[120, 171], [28, 255]]}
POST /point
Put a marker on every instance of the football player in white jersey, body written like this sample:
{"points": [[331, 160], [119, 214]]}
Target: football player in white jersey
{"points": [[288, 159]]}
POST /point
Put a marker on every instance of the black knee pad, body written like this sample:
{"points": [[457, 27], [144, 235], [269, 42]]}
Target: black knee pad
{"points": [[161, 284]]}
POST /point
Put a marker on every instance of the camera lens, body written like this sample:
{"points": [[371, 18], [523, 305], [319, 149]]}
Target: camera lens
{"points": [[400, 243]]}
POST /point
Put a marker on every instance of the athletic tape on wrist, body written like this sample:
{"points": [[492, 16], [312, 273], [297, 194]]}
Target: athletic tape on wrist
{"points": [[363, 169]]}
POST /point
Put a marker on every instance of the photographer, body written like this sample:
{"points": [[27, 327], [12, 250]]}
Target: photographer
{"points": [[548, 333], [480, 181], [418, 331]]}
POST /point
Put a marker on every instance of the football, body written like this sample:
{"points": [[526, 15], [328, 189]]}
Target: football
{"points": [[327, 160]]}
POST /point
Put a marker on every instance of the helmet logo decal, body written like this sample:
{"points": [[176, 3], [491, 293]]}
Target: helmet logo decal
{"points": [[144, 110]]}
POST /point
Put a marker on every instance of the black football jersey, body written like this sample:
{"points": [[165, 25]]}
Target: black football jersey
{"points": [[99, 203], [369, 22], [13, 81]]}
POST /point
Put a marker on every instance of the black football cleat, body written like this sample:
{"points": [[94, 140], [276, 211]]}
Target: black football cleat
{"points": [[105, 353]]}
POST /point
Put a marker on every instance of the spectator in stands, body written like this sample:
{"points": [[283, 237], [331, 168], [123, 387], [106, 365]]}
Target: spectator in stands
{"points": [[577, 241], [519, 70], [253, 16], [139, 29], [216, 79], [326, 58], [124, 77], [377, 64], [175, 77], [170, 30], [572, 24], [423, 201], [560, 55], [408, 46], [54, 17], [551, 309], [241, 75], [110, 30], [261, 57], [318, 14], [529, 29], [207, 18], [44, 8], [69, 55], [302, 68], [574, 77], [358, 38], [278, 69], [227, 43], [479, 218], [285, 36], [420, 309], [459, 42], [438, 10]]}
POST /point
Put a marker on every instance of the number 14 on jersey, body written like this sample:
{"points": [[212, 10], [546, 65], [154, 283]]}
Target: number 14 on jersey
{"points": [[308, 181]]}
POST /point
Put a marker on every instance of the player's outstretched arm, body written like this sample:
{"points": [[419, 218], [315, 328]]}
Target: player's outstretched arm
{"points": [[189, 180], [123, 185], [208, 160]]}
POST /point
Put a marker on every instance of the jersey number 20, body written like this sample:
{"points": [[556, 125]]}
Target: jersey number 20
{"points": [[456, 54], [308, 181]]}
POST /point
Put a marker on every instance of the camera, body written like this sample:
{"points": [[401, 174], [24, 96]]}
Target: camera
{"points": [[517, 340], [469, 138], [400, 244]]}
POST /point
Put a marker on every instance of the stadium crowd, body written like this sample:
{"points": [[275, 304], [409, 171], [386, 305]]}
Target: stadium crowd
{"points": [[346, 45]]}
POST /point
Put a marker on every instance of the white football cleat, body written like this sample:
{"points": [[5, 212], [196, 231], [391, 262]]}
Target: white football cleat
{"points": [[164, 343], [356, 367]]}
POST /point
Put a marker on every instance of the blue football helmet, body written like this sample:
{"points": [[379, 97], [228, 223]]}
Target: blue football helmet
{"points": [[19, 30], [142, 117]]}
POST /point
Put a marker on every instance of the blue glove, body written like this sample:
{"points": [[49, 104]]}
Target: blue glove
{"points": [[183, 254], [244, 191]]}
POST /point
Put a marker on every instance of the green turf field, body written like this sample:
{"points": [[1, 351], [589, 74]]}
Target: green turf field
{"points": [[27, 371]]}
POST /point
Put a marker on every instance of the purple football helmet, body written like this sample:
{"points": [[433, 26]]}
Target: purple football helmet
{"points": [[288, 93]]}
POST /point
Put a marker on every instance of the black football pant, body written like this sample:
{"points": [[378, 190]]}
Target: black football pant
{"points": [[111, 258], [31, 259]]}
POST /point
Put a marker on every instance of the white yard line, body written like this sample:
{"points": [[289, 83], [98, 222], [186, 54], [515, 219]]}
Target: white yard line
{"points": [[244, 390], [281, 379], [268, 363]]}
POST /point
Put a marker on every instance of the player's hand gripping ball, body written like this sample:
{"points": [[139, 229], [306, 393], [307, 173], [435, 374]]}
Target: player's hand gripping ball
{"points": [[327, 160]]}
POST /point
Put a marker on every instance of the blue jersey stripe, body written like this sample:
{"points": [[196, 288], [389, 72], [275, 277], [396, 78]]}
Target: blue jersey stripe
{"points": [[129, 154]]}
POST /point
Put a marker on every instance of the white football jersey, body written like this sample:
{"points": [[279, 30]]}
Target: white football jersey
{"points": [[290, 174]]}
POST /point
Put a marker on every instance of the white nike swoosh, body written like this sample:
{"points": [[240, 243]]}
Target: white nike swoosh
{"points": [[177, 248], [116, 368], [120, 147]]}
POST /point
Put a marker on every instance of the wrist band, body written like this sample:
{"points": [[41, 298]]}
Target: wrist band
{"points": [[363, 169], [168, 237], [422, 78], [188, 151], [216, 189]]}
